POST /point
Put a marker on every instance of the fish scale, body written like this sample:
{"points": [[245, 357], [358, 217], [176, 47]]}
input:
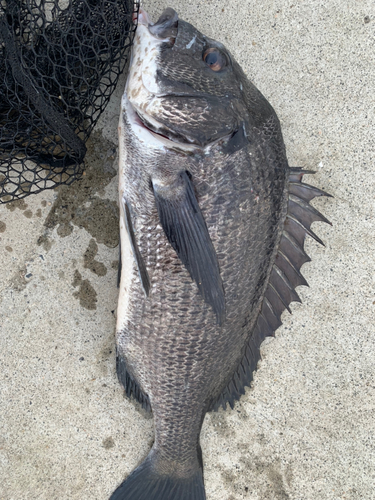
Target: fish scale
{"points": [[212, 223], [153, 342]]}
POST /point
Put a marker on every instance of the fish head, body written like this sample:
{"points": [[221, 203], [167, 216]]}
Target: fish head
{"points": [[183, 86]]}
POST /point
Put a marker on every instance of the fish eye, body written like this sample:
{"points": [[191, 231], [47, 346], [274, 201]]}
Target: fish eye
{"points": [[215, 59]]}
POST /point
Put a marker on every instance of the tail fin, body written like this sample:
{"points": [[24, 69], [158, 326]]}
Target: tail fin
{"points": [[145, 483]]}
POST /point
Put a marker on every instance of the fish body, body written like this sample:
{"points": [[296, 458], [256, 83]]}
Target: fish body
{"points": [[212, 224]]}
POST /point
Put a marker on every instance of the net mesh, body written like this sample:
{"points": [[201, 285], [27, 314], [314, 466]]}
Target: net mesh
{"points": [[60, 61]]}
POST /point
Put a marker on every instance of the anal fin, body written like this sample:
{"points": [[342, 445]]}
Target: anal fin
{"points": [[130, 385]]}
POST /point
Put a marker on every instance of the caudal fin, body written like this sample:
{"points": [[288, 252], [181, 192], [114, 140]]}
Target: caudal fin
{"points": [[145, 483]]}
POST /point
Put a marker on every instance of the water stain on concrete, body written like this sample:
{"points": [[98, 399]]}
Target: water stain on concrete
{"points": [[288, 475], [106, 352], [28, 214], [274, 478], [64, 230], [45, 242], [219, 421], [233, 480], [79, 205], [86, 293], [3, 227], [20, 204], [18, 281], [277, 484], [105, 358], [242, 414], [89, 259], [108, 443], [228, 476]]}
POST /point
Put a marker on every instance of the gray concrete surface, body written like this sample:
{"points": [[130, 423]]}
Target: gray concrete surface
{"points": [[306, 430]]}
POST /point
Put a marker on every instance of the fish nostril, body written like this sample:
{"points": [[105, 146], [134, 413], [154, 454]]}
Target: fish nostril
{"points": [[166, 26]]}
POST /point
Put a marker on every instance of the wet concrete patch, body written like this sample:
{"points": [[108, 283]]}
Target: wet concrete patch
{"points": [[277, 484], [86, 293], [28, 214], [219, 421], [89, 259], [102, 222], [18, 281], [274, 477], [64, 230], [228, 476], [45, 242], [3, 227], [105, 358], [108, 443], [78, 204], [20, 204]]}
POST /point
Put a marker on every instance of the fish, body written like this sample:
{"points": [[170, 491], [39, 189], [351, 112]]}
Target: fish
{"points": [[212, 228]]}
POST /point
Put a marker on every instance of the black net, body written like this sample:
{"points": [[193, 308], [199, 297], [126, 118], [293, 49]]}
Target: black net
{"points": [[60, 61]]}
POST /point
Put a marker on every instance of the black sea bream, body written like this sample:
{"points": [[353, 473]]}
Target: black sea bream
{"points": [[213, 222]]}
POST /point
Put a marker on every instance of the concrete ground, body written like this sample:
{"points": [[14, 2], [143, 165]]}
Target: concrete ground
{"points": [[306, 430]]}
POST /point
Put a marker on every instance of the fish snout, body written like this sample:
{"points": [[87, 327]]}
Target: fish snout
{"points": [[166, 26], [142, 17]]}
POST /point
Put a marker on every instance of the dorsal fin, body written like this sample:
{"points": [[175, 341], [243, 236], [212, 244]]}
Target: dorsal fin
{"points": [[284, 278]]}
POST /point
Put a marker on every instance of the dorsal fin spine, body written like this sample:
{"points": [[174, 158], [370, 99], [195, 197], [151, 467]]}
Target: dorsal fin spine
{"points": [[306, 206], [306, 228], [282, 259], [280, 297]]}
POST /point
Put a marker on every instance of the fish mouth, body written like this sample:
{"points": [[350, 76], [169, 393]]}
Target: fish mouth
{"points": [[158, 129], [165, 27], [175, 140], [166, 137]]}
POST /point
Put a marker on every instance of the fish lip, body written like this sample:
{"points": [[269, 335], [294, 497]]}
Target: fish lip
{"points": [[144, 19]]}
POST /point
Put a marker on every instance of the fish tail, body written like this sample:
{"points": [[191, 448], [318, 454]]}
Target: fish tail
{"points": [[148, 483]]}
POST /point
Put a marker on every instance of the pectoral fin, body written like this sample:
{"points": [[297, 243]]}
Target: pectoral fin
{"points": [[142, 270], [186, 230]]}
